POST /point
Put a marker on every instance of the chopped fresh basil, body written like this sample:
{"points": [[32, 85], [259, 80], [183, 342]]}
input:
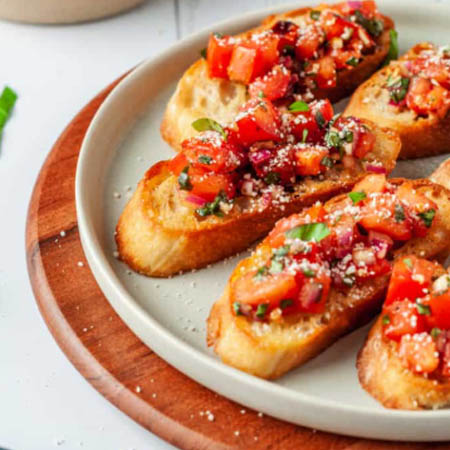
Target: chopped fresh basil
{"points": [[320, 119], [332, 139], [272, 178], [204, 159], [428, 217], [399, 213], [422, 309], [408, 262], [261, 310], [237, 308], [334, 118], [386, 320], [276, 266], [435, 332], [304, 135], [309, 273], [314, 14], [213, 207], [261, 94], [281, 251], [288, 50], [261, 272], [373, 26], [327, 162], [205, 124], [285, 303], [393, 48], [183, 180], [299, 107], [348, 136], [398, 88], [7, 101], [203, 53], [352, 61], [218, 35], [357, 197], [309, 232]]}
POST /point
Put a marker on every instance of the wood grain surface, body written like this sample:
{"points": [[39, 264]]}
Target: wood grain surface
{"points": [[112, 358]]}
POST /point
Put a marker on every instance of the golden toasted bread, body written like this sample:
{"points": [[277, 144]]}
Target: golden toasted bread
{"points": [[269, 350], [159, 234], [382, 374], [421, 136], [198, 95]]}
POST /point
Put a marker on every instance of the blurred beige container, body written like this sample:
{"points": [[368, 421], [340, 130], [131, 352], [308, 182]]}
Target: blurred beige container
{"points": [[62, 11]]}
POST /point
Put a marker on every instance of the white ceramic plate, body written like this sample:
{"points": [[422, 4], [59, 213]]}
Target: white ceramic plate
{"points": [[169, 315]]}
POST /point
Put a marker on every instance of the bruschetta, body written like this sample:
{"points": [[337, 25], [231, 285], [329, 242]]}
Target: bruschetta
{"points": [[412, 96], [405, 362], [229, 185], [323, 272], [310, 53]]}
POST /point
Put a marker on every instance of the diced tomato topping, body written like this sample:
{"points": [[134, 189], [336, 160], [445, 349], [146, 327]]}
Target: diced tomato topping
{"points": [[362, 139], [373, 183], [313, 294], [326, 74], [177, 164], [308, 42], [402, 318], [258, 120], [440, 309], [410, 279], [272, 86], [274, 165], [268, 54], [309, 160], [287, 33], [219, 55], [242, 64], [384, 213], [324, 107], [423, 97], [418, 353], [208, 185], [269, 289], [211, 151], [378, 268]]}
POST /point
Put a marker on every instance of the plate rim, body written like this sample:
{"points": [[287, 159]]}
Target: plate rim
{"points": [[138, 320]]}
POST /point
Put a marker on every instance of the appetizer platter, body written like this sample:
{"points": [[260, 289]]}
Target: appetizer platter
{"points": [[257, 151]]}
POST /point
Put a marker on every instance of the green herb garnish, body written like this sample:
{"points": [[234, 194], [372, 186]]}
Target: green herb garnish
{"points": [[261, 272], [304, 135], [357, 197], [213, 207], [423, 310], [408, 263], [299, 107], [435, 332], [399, 213], [428, 217], [309, 273], [237, 308], [285, 303], [393, 48], [276, 266], [327, 162], [281, 251], [314, 14], [272, 178], [320, 119], [205, 124], [332, 139], [386, 320], [183, 180], [352, 61], [203, 53], [261, 310], [204, 159], [288, 50], [261, 94], [7, 101], [309, 232], [398, 88], [373, 26]]}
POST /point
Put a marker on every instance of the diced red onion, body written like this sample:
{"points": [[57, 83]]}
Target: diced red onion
{"points": [[310, 294], [266, 199], [408, 65], [381, 242], [354, 4], [260, 156], [344, 243], [195, 199], [375, 169]]}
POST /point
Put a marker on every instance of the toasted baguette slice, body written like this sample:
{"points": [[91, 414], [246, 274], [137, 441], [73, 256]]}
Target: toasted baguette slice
{"points": [[269, 350], [197, 95], [159, 234], [421, 136], [380, 370], [382, 374]]}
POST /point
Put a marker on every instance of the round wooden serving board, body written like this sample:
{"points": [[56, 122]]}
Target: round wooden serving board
{"points": [[107, 353]]}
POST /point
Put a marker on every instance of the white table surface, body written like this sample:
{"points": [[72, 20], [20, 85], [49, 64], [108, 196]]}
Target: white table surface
{"points": [[44, 402]]}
